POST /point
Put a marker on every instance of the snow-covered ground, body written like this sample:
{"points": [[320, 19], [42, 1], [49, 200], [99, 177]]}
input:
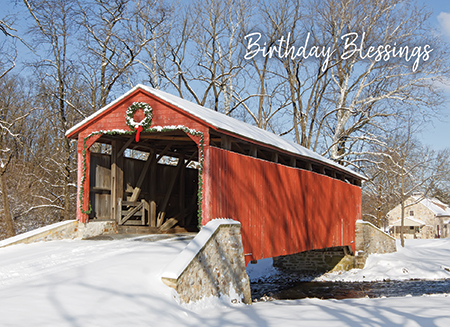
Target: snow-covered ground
{"points": [[419, 259], [117, 283]]}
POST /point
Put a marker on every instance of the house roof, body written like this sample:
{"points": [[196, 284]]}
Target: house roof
{"points": [[224, 123], [438, 208], [409, 221]]}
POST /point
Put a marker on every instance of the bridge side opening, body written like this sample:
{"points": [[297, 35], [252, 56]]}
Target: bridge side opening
{"points": [[245, 147]]}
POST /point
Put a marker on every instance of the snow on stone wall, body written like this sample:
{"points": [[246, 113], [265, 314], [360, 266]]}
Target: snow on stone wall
{"points": [[70, 229], [370, 239], [211, 265]]}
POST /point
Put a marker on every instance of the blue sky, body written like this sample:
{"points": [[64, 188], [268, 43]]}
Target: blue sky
{"points": [[436, 135]]}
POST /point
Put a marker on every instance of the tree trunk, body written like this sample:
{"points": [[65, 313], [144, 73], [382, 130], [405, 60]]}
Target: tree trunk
{"points": [[10, 232], [66, 179], [402, 236]]}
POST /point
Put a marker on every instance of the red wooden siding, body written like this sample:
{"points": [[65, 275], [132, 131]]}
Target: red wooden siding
{"points": [[282, 210], [164, 114]]}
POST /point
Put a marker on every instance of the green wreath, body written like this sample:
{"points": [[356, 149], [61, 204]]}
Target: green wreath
{"points": [[146, 122]]}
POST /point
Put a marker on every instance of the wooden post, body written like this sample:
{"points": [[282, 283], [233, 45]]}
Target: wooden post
{"points": [[119, 211], [293, 162], [182, 184], [275, 157], [143, 202], [84, 218], [253, 151], [225, 143], [116, 178], [152, 211], [114, 204], [145, 208]]}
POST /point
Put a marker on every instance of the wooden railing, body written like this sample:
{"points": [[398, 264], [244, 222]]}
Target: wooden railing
{"points": [[130, 210]]}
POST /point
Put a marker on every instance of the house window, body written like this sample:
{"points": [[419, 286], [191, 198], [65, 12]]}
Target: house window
{"points": [[411, 212]]}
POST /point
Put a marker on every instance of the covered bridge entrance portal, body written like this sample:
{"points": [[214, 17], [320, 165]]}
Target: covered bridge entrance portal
{"points": [[152, 160], [152, 182]]}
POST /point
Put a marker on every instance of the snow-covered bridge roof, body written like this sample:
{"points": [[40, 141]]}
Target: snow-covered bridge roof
{"points": [[225, 123]]}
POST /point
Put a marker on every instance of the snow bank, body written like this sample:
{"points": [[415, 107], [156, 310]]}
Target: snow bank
{"points": [[419, 259]]}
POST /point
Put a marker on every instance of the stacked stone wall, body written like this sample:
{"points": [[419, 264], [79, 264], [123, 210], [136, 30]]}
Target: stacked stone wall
{"points": [[370, 239], [312, 261], [218, 269]]}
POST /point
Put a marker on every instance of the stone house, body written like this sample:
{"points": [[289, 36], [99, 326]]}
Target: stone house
{"points": [[424, 218]]}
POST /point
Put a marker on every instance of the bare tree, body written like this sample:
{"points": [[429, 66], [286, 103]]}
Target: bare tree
{"points": [[109, 35], [153, 20], [368, 89], [286, 23], [12, 116], [263, 92], [8, 48], [401, 167], [203, 62], [351, 66], [8, 119], [59, 91]]}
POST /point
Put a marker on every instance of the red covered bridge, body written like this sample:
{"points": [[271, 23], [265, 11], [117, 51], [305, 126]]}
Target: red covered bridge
{"points": [[193, 164]]}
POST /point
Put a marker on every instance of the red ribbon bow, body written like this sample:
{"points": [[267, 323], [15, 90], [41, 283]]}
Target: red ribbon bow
{"points": [[138, 131]]}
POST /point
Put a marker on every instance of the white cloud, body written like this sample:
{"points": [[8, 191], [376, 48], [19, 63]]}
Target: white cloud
{"points": [[444, 20]]}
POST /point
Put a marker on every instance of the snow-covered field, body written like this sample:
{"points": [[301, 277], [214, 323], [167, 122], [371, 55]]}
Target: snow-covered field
{"points": [[117, 283]]}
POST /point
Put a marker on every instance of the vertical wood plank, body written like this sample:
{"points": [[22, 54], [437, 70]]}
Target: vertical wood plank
{"points": [[293, 162], [114, 204], [182, 190], [85, 217], [152, 210], [143, 212], [117, 161], [119, 211]]}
